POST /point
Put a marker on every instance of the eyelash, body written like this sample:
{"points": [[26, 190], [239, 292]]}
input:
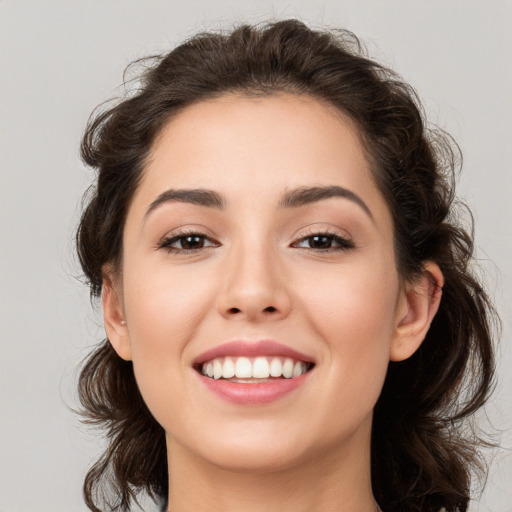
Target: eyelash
{"points": [[168, 241], [344, 244]]}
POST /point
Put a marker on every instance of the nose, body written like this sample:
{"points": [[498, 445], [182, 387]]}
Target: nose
{"points": [[254, 287]]}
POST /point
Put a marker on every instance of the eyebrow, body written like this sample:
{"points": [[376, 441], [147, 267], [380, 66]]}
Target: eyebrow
{"points": [[198, 196], [307, 195], [291, 199]]}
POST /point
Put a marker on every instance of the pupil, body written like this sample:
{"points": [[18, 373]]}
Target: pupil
{"points": [[192, 242], [321, 242]]}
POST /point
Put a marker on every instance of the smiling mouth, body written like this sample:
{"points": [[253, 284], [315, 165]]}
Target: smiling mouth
{"points": [[249, 370]]}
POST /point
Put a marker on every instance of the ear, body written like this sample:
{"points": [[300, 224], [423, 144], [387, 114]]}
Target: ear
{"points": [[113, 317], [417, 306]]}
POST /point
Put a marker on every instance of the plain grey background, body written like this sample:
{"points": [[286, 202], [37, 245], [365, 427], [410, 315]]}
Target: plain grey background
{"points": [[59, 59]]}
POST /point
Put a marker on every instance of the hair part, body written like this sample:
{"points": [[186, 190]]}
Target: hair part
{"points": [[422, 454]]}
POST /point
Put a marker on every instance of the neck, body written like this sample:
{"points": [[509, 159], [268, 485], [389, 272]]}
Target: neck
{"points": [[338, 480]]}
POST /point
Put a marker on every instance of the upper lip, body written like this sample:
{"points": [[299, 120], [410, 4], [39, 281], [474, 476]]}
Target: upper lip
{"points": [[241, 348]]}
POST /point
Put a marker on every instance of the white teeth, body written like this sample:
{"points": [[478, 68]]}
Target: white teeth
{"points": [[228, 369], [276, 367], [288, 369], [243, 368], [297, 369], [258, 368], [217, 369]]}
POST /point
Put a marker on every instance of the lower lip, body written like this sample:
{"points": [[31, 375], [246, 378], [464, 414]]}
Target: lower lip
{"points": [[253, 393]]}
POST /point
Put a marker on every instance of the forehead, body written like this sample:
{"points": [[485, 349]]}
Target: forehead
{"points": [[247, 146]]}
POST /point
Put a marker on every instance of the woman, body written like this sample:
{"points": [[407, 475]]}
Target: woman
{"points": [[291, 319]]}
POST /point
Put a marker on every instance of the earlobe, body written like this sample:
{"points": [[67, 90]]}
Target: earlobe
{"points": [[417, 307], [113, 316]]}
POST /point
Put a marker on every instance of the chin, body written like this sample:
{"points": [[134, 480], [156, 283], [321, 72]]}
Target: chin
{"points": [[253, 459], [260, 447]]}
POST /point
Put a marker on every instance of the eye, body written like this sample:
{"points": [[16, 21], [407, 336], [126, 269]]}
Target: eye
{"points": [[187, 242], [324, 242]]}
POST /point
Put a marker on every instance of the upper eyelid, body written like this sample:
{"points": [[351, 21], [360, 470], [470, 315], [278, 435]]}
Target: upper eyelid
{"points": [[323, 231], [320, 231], [186, 231], [310, 232]]}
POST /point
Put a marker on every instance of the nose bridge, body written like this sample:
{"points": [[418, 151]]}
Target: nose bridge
{"points": [[253, 284]]}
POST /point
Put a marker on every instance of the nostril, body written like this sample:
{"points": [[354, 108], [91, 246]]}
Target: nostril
{"points": [[268, 309]]}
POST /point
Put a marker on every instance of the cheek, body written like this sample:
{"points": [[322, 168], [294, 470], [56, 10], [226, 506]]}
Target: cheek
{"points": [[164, 305], [164, 310], [359, 297], [353, 312]]}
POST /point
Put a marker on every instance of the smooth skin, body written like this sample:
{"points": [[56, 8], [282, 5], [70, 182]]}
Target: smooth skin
{"points": [[254, 270]]}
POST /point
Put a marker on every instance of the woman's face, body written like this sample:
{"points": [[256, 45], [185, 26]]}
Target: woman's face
{"points": [[257, 235]]}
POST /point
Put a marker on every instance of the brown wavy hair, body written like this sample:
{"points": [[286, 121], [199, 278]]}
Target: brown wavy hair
{"points": [[423, 453]]}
